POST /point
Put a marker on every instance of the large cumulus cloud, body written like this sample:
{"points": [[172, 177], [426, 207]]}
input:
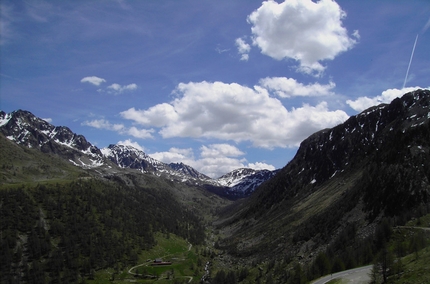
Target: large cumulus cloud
{"points": [[303, 30], [232, 112]]}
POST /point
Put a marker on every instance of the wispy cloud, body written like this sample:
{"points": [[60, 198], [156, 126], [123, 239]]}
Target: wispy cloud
{"points": [[221, 50], [289, 87], [6, 19], [120, 128], [243, 49], [115, 88], [426, 26], [104, 124], [118, 89]]}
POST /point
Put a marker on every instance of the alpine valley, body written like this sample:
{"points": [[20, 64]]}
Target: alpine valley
{"points": [[353, 195]]}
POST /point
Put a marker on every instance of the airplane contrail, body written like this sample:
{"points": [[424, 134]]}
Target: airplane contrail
{"points": [[410, 61]]}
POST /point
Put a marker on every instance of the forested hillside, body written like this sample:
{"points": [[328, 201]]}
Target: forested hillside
{"points": [[65, 230], [61, 224]]}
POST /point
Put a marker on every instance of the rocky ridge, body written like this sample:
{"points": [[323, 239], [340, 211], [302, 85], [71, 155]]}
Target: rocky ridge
{"points": [[27, 130]]}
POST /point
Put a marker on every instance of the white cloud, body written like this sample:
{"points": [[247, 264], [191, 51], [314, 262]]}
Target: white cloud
{"points": [[261, 166], [158, 115], [139, 133], [120, 128], [243, 49], [93, 80], [386, 97], [216, 150], [289, 87], [129, 142], [356, 34], [214, 160], [103, 124], [216, 167], [232, 112], [175, 155], [306, 31], [49, 120], [115, 88], [118, 89]]}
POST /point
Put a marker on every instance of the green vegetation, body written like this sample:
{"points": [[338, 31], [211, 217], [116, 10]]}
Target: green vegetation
{"points": [[415, 270], [65, 232], [183, 256], [405, 257], [337, 281]]}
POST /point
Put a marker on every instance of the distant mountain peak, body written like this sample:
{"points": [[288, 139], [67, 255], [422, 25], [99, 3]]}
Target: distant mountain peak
{"points": [[243, 181], [127, 156], [26, 129], [188, 170]]}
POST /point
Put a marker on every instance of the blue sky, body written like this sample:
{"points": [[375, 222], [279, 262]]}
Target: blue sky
{"points": [[215, 84]]}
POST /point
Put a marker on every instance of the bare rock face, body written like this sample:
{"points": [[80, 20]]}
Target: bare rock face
{"points": [[25, 129], [379, 137]]}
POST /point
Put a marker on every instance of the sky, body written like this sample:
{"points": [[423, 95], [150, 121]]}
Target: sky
{"points": [[217, 85]]}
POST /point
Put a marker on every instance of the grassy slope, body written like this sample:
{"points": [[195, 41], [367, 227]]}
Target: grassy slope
{"points": [[23, 165], [416, 270], [171, 248], [416, 265], [283, 224]]}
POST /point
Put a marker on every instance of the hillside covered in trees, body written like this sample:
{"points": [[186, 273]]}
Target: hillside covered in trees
{"points": [[58, 231]]}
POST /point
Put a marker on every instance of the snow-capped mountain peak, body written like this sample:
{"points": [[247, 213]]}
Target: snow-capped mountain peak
{"points": [[244, 181], [127, 156], [234, 177], [25, 129]]}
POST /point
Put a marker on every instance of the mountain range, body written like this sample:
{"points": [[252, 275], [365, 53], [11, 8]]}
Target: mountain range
{"points": [[324, 156], [332, 207], [26, 129]]}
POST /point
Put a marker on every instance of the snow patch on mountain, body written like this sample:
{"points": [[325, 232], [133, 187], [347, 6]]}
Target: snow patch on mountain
{"points": [[23, 128]]}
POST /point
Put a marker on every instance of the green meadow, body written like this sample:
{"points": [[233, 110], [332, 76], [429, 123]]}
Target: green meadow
{"points": [[185, 268]]}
